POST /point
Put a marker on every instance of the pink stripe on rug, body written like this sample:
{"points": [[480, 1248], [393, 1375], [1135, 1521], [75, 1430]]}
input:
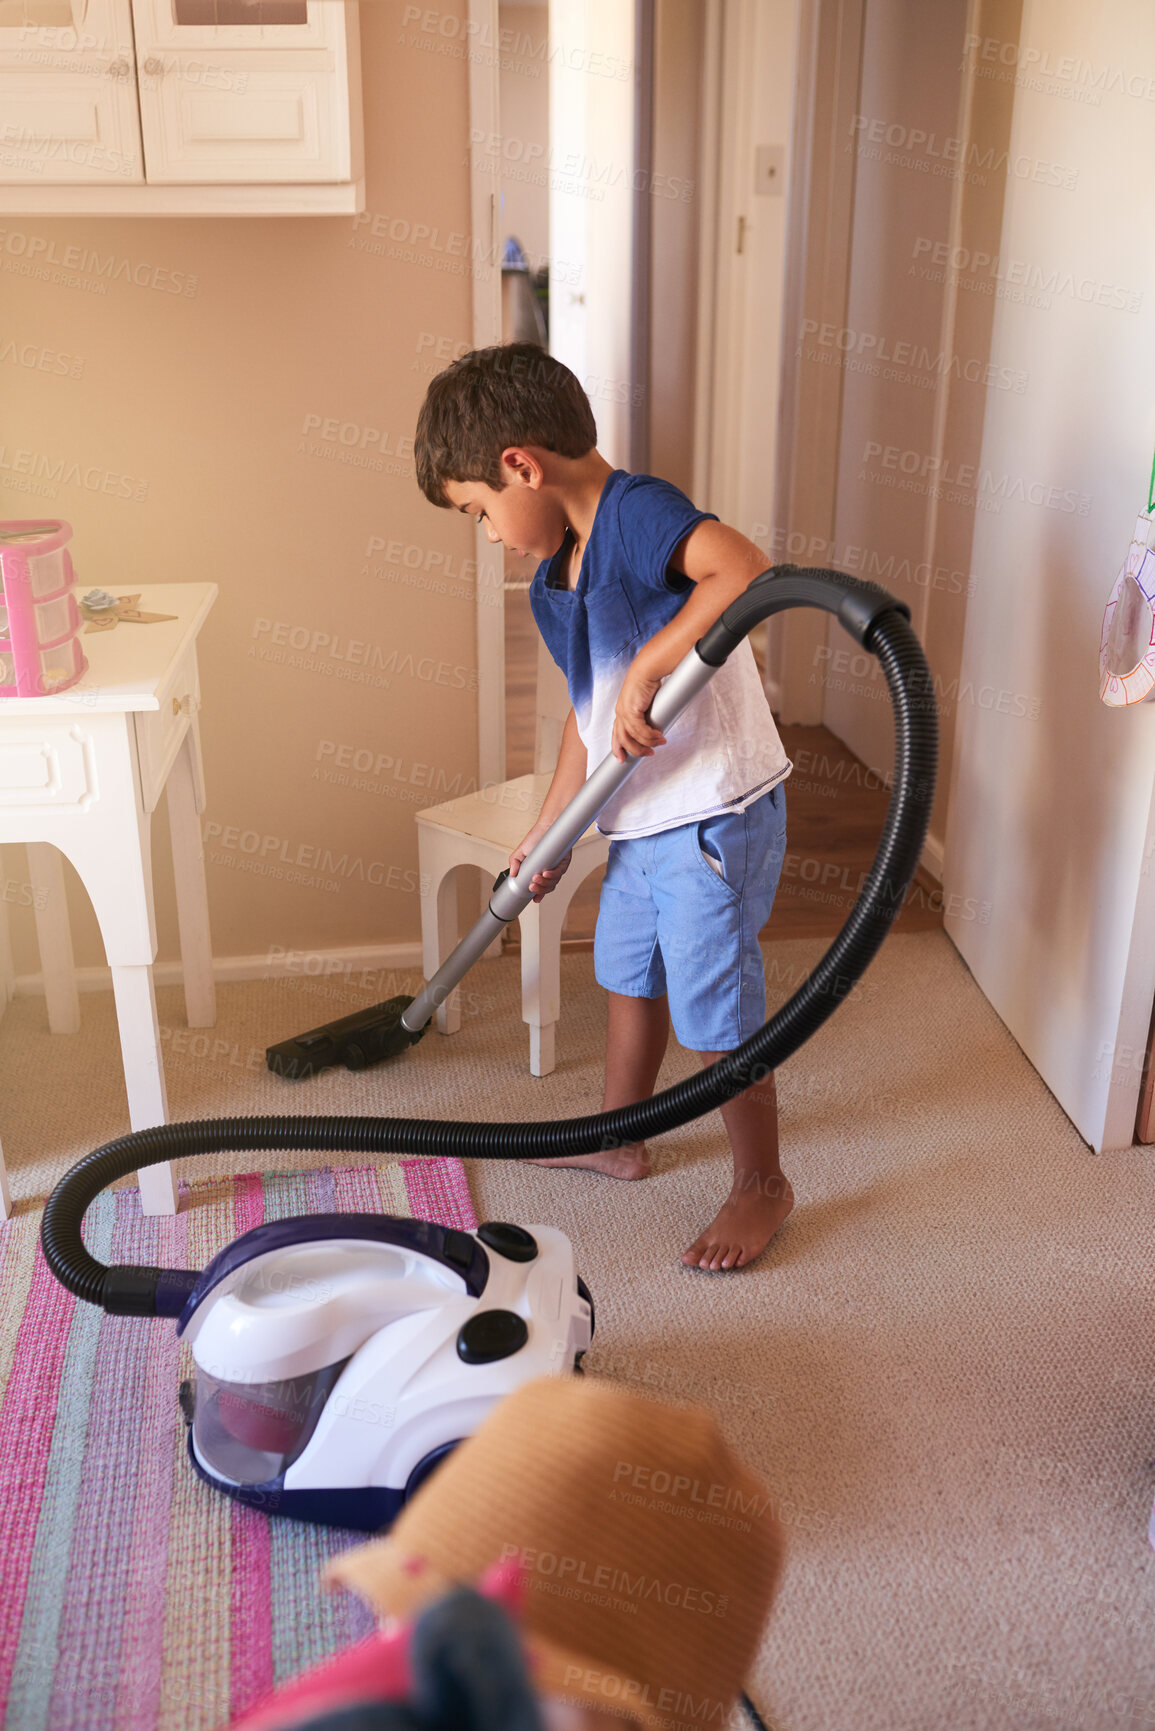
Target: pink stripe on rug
{"points": [[142, 1644], [27, 1419], [356, 1190], [252, 1624], [91, 1629], [7, 1237], [439, 1190]]}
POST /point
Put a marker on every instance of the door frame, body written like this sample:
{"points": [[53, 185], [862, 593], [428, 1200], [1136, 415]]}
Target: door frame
{"points": [[641, 283], [484, 123]]}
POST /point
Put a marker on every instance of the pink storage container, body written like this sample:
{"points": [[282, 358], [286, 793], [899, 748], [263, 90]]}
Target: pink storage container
{"points": [[40, 649]]}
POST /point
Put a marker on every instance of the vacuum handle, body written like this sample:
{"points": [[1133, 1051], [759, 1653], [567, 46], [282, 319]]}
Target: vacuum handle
{"points": [[858, 605]]}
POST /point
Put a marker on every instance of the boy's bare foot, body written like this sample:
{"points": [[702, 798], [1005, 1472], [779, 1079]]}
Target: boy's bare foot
{"points": [[743, 1226], [632, 1162]]}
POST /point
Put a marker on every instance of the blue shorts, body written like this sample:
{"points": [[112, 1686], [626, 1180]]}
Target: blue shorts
{"points": [[671, 923]]}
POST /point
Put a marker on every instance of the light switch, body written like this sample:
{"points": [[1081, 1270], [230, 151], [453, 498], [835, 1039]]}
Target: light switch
{"points": [[770, 169]]}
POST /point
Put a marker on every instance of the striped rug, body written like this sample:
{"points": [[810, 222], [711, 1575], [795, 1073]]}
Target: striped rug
{"points": [[131, 1595]]}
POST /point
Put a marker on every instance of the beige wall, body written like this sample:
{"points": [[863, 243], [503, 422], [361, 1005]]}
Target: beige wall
{"points": [[899, 534], [216, 399], [987, 117]]}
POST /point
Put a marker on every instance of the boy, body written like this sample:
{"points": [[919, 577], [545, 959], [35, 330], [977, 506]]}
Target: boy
{"points": [[631, 575]]}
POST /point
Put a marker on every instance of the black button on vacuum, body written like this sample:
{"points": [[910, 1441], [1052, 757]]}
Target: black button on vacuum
{"points": [[490, 1335], [513, 1242]]}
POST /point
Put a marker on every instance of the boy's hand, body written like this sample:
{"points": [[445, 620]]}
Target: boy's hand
{"points": [[542, 882], [633, 735]]}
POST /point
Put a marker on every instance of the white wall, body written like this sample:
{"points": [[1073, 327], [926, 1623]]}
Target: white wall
{"points": [[1050, 837]]}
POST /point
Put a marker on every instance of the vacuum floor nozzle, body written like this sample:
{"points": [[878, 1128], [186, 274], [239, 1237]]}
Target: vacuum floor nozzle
{"points": [[357, 1041]]}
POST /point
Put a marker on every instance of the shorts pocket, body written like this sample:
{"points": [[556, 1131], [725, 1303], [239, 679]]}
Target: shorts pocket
{"points": [[720, 848]]}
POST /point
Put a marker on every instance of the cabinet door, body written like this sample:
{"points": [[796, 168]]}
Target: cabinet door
{"points": [[68, 108], [223, 101]]}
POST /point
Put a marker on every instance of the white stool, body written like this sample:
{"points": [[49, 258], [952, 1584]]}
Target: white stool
{"points": [[482, 829]]}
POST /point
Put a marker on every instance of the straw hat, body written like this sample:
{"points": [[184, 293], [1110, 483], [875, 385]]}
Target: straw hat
{"points": [[647, 1554]]}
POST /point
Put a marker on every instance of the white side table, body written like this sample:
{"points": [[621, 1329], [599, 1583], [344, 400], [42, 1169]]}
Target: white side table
{"points": [[81, 774]]}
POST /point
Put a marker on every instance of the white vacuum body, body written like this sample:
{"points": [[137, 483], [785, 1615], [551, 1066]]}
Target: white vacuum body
{"points": [[340, 1357]]}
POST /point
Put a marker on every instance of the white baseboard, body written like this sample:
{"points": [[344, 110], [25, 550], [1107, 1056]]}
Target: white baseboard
{"points": [[368, 965], [364, 965], [933, 856]]}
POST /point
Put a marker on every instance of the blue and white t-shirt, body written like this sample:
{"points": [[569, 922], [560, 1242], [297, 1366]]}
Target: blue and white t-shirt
{"points": [[724, 750]]}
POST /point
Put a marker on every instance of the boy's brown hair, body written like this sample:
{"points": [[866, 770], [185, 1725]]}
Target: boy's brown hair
{"points": [[512, 394]]}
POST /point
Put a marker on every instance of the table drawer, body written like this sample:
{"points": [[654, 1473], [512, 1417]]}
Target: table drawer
{"points": [[159, 732], [47, 765]]}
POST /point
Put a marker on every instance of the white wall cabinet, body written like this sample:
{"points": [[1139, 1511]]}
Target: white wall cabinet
{"points": [[68, 101], [180, 107]]}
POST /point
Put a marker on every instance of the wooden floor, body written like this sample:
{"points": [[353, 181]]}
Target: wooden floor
{"points": [[835, 809]]}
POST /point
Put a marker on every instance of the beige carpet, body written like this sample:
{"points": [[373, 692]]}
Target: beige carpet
{"points": [[944, 1368]]}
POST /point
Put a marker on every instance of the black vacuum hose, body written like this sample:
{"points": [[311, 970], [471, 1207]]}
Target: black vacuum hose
{"points": [[881, 625]]}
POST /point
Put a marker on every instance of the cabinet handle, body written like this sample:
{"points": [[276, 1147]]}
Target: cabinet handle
{"points": [[153, 67], [119, 68]]}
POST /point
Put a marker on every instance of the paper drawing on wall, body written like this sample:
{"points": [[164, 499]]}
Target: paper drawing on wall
{"points": [[1127, 646]]}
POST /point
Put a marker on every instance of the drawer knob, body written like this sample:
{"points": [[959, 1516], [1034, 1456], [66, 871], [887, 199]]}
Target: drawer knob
{"points": [[153, 67]]}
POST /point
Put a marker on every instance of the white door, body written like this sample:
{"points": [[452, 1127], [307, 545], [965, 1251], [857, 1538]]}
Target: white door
{"points": [[1052, 830], [68, 106], [591, 206], [744, 246]]}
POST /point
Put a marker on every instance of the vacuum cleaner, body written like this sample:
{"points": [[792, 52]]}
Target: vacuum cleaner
{"points": [[340, 1357]]}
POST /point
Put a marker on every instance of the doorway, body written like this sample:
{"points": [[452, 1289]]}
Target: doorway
{"points": [[711, 357], [885, 384], [572, 233]]}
